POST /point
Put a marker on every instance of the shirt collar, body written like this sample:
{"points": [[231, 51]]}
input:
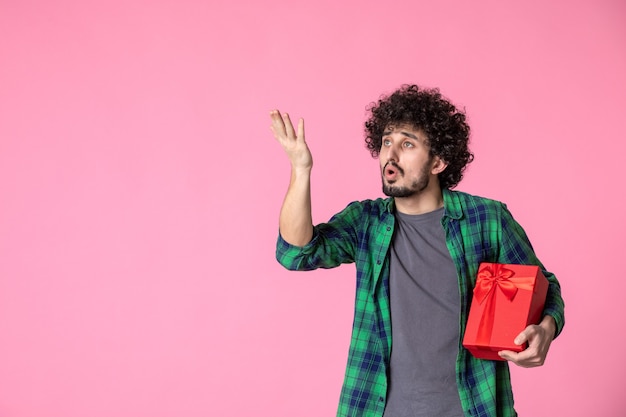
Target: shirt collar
{"points": [[390, 205], [451, 204]]}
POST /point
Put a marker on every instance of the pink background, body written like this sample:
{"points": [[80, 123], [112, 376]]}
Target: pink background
{"points": [[140, 188]]}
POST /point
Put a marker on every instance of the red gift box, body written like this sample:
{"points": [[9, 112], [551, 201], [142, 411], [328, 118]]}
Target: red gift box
{"points": [[507, 298]]}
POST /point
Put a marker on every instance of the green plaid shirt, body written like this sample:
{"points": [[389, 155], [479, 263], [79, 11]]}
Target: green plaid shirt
{"points": [[477, 230]]}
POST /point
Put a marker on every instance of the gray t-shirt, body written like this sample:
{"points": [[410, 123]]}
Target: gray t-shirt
{"points": [[425, 308]]}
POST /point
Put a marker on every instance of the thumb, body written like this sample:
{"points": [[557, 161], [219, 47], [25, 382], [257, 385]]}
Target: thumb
{"points": [[522, 338]]}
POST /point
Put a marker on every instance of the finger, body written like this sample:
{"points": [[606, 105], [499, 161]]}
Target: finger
{"points": [[522, 359], [525, 335], [288, 126], [278, 126], [521, 338], [528, 358], [301, 129], [509, 355]]}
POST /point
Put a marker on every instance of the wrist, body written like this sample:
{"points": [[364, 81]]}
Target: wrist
{"points": [[302, 168], [301, 171]]}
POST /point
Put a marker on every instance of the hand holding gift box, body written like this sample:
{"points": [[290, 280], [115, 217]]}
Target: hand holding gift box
{"points": [[507, 298]]}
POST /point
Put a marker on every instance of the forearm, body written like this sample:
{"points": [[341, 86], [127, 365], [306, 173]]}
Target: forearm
{"points": [[554, 306], [295, 223]]}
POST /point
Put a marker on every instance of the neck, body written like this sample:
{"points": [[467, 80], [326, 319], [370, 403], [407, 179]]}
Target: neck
{"points": [[426, 201]]}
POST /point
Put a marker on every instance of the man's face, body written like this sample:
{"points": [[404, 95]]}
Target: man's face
{"points": [[405, 161]]}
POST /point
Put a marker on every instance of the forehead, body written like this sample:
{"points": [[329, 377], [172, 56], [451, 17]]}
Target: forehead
{"points": [[407, 129]]}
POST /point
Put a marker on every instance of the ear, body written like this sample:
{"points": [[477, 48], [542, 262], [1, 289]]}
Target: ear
{"points": [[438, 165]]}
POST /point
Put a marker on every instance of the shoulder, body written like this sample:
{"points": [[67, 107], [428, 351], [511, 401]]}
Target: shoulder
{"points": [[467, 198], [461, 204], [363, 214], [377, 207]]}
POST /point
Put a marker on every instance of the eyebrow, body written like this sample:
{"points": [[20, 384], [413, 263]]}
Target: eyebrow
{"points": [[402, 132], [410, 135]]}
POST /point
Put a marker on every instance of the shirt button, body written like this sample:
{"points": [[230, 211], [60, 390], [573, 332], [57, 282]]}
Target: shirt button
{"points": [[378, 262], [381, 399], [388, 228]]}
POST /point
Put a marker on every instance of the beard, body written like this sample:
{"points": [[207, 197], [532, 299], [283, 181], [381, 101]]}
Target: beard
{"points": [[416, 187]]}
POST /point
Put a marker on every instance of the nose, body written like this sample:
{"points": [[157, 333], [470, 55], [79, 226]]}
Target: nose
{"points": [[392, 154]]}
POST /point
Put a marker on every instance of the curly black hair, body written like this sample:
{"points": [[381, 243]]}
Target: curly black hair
{"points": [[425, 109]]}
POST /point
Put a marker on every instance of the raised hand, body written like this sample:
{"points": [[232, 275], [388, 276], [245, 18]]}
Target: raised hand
{"points": [[292, 142], [295, 222]]}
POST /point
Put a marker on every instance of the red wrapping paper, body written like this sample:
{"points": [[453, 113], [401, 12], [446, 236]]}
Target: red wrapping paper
{"points": [[507, 298]]}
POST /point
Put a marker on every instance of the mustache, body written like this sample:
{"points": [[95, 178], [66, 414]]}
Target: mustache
{"points": [[396, 166]]}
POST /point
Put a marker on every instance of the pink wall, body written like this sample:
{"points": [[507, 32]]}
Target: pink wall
{"points": [[140, 188]]}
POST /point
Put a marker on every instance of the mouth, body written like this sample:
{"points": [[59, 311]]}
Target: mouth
{"points": [[391, 171]]}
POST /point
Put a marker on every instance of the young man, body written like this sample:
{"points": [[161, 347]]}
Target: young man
{"points": [[416, 254]]}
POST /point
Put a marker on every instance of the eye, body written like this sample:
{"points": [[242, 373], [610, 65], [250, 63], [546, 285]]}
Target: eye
{"points": [[408, 144], [386, 142]]}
